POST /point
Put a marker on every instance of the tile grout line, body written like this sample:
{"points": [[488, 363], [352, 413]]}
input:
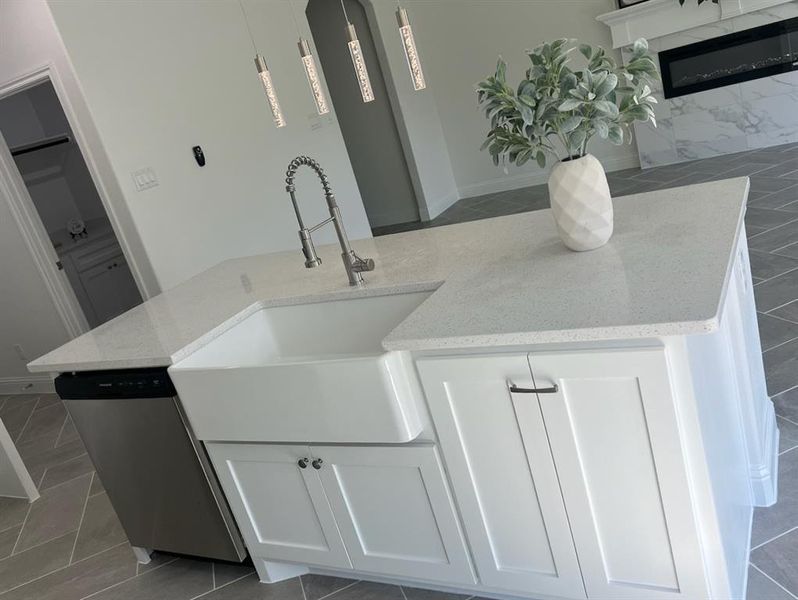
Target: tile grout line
{"points": [[59, 568], [780, 274], [788, 450], [779, 345], [789, 420], [302, 587], [221, 587], [27, 421], [58, 485], [48, 469], [118, 583], [783, 391], [213, 575], [21, 529], [61, 431], [773, 580], [777, 316], [774, 538], [779, 306], [82, 516], [346, 587]]}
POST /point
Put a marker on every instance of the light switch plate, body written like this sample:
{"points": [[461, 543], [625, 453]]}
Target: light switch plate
{"points": [[144, 178]]}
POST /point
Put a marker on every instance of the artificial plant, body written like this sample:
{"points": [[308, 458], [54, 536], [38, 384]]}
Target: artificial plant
{"points": [[556, 110]]}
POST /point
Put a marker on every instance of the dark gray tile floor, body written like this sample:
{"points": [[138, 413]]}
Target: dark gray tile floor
{"points": [[69, 544]]}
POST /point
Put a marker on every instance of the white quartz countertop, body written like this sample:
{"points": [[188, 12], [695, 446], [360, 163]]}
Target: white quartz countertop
{"points": [[500, 282]]}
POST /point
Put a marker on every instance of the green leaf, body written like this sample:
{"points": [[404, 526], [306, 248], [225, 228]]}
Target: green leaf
{"points": [[527, 113], [615, 134], [601, 127], [606, 107], [569, 104], [571, 123], [606, 86], [575, 140], [586, 50], [640, 46], [541, 158], [501, 71]]}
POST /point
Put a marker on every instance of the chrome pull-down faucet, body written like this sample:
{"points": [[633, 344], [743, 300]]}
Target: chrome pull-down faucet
{"points": [[353, 264]]}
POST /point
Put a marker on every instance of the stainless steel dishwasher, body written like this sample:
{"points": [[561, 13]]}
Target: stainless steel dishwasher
{"points": [[157, 474]]}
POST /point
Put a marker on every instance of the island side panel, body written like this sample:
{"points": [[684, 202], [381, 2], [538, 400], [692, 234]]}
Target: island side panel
{"points": [[759, 416]]}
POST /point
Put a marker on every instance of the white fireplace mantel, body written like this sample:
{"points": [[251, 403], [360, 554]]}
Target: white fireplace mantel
{"points": [[658, 18]]}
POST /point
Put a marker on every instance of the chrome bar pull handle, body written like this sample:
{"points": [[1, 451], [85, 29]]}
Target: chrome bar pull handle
{"points": [[547, 390]]}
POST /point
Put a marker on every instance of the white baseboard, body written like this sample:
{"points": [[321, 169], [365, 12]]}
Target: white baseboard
{"points": [[35, 384], [437, 205], [765, 477], [512, 182]]}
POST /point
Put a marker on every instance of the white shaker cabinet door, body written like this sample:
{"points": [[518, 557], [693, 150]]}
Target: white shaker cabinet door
{"points": [[613, 431], [394, 511], [280, 507], [497, 454]]}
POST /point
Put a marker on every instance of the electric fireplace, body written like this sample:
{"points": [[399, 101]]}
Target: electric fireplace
{"points": [[740, 56]]}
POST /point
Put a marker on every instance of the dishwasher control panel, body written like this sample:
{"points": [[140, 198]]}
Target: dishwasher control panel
{"points": [[121, 383]]}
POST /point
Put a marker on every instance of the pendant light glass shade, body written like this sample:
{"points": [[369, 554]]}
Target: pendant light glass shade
{"points": [[271, 94], [316, 89], [409, 45], [361, 72]]}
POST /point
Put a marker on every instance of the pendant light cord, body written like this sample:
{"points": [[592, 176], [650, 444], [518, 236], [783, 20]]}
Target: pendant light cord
{"points": [[343, 7], [246, 21], [293, 16]]}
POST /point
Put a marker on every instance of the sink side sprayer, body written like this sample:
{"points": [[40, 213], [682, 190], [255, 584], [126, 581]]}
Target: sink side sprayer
{"points": [[353, 264]]}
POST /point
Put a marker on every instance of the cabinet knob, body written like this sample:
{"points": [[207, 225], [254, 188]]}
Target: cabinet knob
{"points": [[317, 463], [303, 463]]}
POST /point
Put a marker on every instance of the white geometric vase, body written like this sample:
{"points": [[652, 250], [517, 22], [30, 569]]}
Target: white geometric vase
{"points": [[581, 203]]}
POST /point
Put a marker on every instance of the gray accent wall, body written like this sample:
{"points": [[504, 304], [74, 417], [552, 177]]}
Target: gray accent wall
{"points": [[369, 129]]}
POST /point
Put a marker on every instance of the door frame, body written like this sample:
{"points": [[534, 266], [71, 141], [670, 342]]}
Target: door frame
{"points": [[28, 220]]}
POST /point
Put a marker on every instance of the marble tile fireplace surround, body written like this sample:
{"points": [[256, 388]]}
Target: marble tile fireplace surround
{"points": [[742, 116]]}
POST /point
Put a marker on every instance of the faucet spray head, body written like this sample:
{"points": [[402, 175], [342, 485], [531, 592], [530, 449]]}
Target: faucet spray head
{"points": [[311, 259]]}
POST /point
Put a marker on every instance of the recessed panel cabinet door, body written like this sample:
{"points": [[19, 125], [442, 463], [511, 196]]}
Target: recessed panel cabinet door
{"points": [[394, 511], [280, 507], [613, 431], [498, 457]]}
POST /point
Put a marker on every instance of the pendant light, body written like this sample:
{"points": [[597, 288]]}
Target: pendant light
{"points": [[265, 77], [411, 53], [311, 72], [358, 62], [316, 89]]}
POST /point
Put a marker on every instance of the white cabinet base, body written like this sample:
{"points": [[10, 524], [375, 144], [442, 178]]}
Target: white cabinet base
{"points": [[273, 572]]}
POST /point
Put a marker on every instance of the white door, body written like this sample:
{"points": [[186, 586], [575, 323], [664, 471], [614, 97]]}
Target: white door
{"points": [[394, 511], [497, 454], [279, 503], [613, 431]]}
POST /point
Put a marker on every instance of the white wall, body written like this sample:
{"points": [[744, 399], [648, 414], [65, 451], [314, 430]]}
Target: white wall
{"points": [[459, 42], [29, 42], [161, 77]]}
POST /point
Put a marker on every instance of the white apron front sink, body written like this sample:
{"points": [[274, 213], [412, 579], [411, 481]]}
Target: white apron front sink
{"points": [[306, 373]]}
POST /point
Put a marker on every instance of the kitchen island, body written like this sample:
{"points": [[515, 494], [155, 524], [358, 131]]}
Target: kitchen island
{"points": [[542, 423]]}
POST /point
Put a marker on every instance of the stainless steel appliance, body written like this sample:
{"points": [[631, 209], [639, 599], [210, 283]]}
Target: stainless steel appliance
{"points": [[156, 473]]}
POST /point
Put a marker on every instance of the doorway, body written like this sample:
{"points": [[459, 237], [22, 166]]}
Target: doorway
{"points": [[66, 202], [369, 128]]}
